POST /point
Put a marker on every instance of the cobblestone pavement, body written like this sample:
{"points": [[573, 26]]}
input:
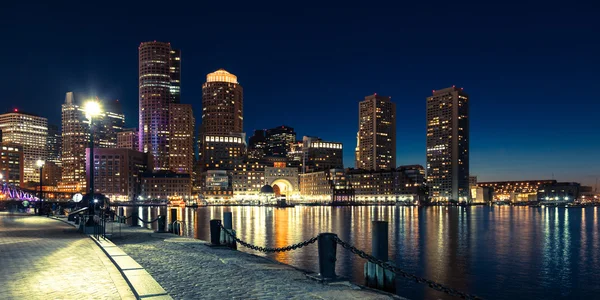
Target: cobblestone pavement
{"points": [[42, 258], [188, 269]]}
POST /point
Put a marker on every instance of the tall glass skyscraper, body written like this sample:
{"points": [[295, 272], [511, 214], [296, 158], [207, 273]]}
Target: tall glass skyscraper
{"points": [[376, 137]]}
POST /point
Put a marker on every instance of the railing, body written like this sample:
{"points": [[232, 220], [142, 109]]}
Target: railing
{"points": [[379, 273]]}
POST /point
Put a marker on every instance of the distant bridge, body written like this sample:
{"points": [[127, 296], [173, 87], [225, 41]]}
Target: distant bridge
{"points": [[11, 192]]}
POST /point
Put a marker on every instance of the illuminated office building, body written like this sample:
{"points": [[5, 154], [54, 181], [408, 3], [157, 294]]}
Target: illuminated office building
{"points": [[76, 135], [279, 140], [257, 145], [31, 133], [319, 155], [54, 144], [11, 163], [222, 152], [128, 139], [181, 140], [448, 145], [159, 85], [515, 191], [376, 137]]}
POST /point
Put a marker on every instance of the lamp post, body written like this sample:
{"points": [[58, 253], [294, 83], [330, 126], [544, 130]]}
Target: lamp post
{"points": [[40, 163], [91, 109]]}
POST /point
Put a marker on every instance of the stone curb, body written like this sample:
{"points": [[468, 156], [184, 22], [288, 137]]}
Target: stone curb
{"points": [[140, 281]]}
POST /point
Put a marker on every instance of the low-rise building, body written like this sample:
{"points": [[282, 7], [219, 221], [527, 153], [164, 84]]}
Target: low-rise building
{"points": [[559, 192], [516, 191], [326, 186], [283, 179], [117, 172], [217, 186], [165, 185], [392, 185]]}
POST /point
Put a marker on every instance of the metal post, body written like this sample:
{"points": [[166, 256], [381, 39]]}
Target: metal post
{"points": [[376, 276], [228, 224], [327, 251], [134, 216], [122, 214], [215, 232], [41, 192]]}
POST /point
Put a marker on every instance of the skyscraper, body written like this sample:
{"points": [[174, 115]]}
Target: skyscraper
{"points": [[76, 135], [448, 145], [31, 133], [222, 104], [181, 140], [54, 144], [376, 137], [128, 139], [159, 85]]}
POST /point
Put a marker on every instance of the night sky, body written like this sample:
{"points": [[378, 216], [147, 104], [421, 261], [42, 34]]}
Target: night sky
{"points": [[531, 70]]}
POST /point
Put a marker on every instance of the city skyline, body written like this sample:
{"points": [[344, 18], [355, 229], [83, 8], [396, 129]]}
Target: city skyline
{"points": [[516, 112]]}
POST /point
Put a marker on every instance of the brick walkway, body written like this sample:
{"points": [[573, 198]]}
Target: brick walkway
{"points": [[42, 258]]}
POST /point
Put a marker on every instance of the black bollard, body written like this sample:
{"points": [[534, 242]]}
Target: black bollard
{"points": [[122, 214], [228, 224], [327, 251], [161, 224], [134, 217], [376, 276], [215, 232]]}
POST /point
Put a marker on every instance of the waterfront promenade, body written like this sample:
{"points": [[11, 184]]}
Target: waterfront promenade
{"points": [[42, 258], [188, 269]]}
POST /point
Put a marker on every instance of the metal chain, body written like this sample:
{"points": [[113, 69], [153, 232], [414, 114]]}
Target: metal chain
{"points": [[148, 221], [268, 250], [388, 266]]}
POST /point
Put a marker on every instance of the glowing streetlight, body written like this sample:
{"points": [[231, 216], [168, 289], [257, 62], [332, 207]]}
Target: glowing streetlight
{"points": [[91, 109], [40, 164]]}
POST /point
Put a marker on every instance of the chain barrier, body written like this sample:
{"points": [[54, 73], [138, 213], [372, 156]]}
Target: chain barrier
{"points": [[268, 250], [388, 266], [148, 222], [123, 218]]}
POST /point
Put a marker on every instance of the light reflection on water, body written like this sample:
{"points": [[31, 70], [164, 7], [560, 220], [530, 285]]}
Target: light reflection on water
{"points": [[494, 252]]}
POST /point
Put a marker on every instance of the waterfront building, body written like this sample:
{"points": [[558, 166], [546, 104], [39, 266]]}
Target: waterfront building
{"points": [[284, 180], [165, 185], [326, 186], [31, 133], [481, 195], [319, 155], [181, 140], [448, 145], [128, 139], [279, 139], [559, 192], [376, 137], [54, 144], [118, 172], [217, 186], [11, 163], [159, 86], [247, 180], [515, 191], [222, 104], [257, 145], [415, 173], [76, 136], [392, 185]]}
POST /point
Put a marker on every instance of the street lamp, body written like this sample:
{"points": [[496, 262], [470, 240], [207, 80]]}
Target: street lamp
{"points": [[40, 163], [91, 109]]}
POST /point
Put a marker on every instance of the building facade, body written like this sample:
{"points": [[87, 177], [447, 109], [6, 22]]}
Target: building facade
{"points": [[222, 152], [76, 135], [257, 145], [559, 192], [181, 141], [128, 139], [448, 145], [165, 186], [328, 186], [159, 85], [376, 137], [321, 155], [11, 163], [117, 172], [284, 180], [515, 191], [31, 132], [51, 174], [279, 140], [54, 144], [392, 185]]}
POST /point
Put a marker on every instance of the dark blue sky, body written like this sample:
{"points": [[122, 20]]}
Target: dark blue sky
{"points": [[531, 69]]}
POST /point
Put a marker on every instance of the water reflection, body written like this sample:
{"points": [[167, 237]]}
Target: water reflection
{"points": [[494, 252]]}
